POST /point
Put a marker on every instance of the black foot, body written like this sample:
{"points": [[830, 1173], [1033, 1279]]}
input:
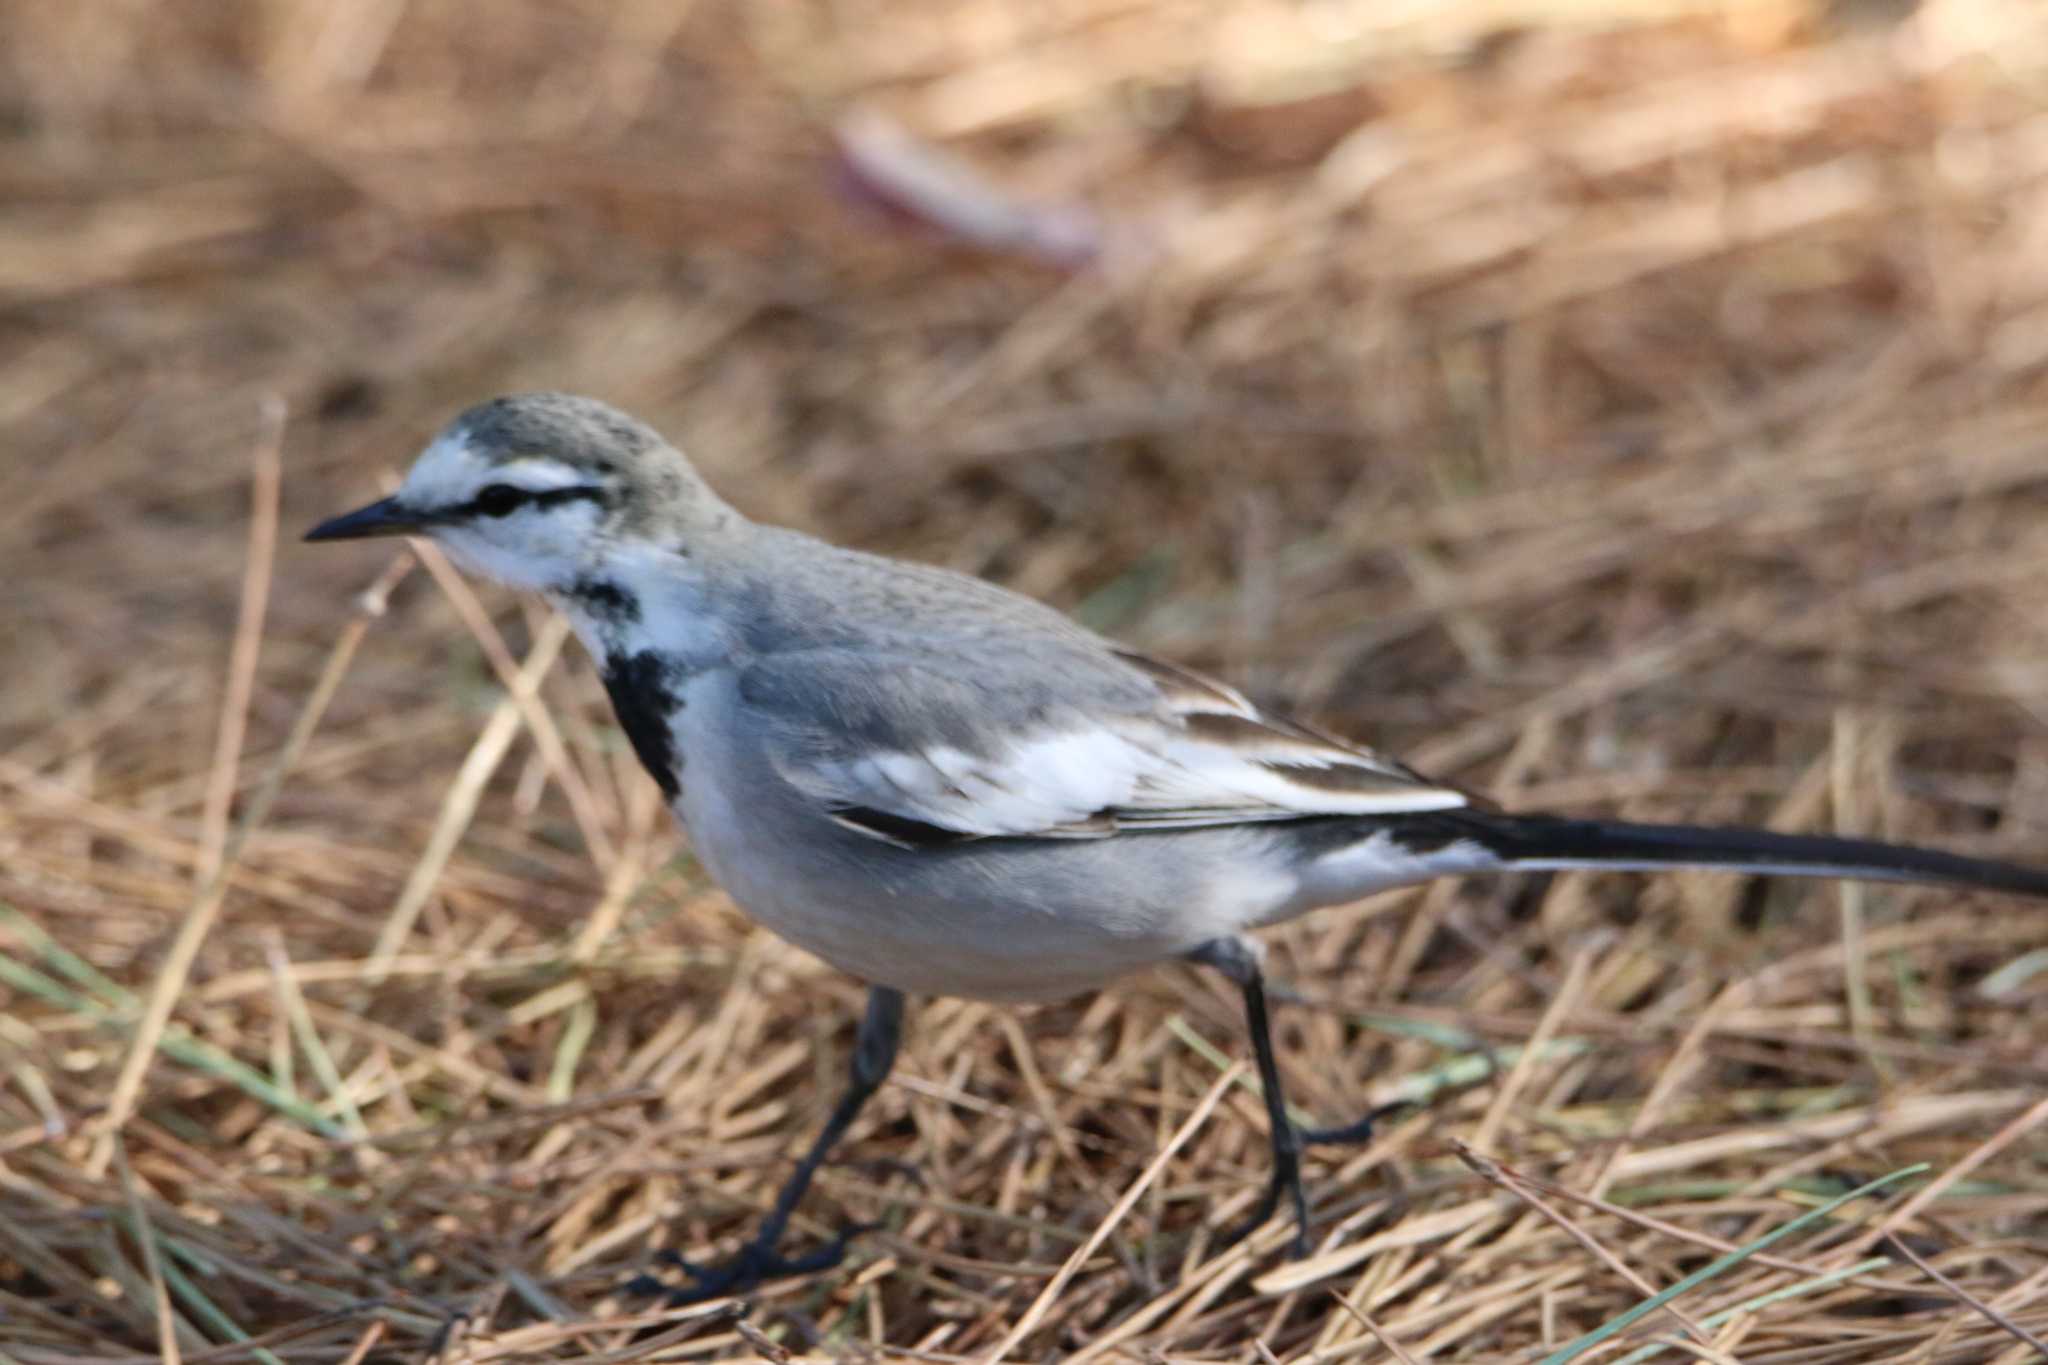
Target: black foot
{"points": [[1355, 1134], [1287, 1185], [753, 1264]]}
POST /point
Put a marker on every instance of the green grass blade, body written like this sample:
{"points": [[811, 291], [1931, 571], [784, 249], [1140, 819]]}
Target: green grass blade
{"points": [[1708, 1272]]}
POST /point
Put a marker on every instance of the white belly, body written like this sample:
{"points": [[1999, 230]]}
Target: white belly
{"points": [[1003, 920]]}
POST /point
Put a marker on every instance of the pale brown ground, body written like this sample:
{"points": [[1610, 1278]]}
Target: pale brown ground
{"points": [[1643, 415]]}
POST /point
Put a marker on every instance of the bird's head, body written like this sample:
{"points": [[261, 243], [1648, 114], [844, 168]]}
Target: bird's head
{"points": [[539, 490]]}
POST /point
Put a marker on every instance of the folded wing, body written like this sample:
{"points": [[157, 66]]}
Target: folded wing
{"points": [[1077, 742]]}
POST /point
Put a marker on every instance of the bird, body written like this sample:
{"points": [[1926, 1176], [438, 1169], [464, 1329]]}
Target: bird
{"points": [[945, 788]]}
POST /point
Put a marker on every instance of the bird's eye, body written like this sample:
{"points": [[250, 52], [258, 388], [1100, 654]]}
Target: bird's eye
{"points": [[500, 500]]}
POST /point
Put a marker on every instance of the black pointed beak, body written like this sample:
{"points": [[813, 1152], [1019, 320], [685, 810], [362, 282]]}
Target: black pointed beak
{"points": [[382, 518]]}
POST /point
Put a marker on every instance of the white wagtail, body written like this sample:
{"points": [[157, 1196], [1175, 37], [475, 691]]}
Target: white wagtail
{"points": [[944, 788]]}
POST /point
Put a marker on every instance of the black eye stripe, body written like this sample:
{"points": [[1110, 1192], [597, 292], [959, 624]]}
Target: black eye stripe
{"points": [[503, 499], [498, 500]]}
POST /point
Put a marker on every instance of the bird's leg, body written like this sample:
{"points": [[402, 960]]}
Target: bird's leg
{"points": [[1285, 1138], [1356, 1133], [1238, 959], [874, 1052], [1359, 1131]]}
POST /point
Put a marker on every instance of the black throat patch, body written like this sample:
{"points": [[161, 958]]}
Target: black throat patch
{"points": [[606, 601], [644, 697]]}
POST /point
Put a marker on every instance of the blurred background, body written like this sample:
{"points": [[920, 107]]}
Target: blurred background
{"points": [[1623, 407]]}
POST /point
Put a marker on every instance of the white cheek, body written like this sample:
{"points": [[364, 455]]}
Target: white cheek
{"points": [[535, 550], [488, 558]]}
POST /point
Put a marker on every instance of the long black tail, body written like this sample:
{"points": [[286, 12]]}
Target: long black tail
{"points": [[1547, 842]]}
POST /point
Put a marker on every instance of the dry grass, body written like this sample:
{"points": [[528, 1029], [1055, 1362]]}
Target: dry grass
{"points": [[1646, 415]]}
